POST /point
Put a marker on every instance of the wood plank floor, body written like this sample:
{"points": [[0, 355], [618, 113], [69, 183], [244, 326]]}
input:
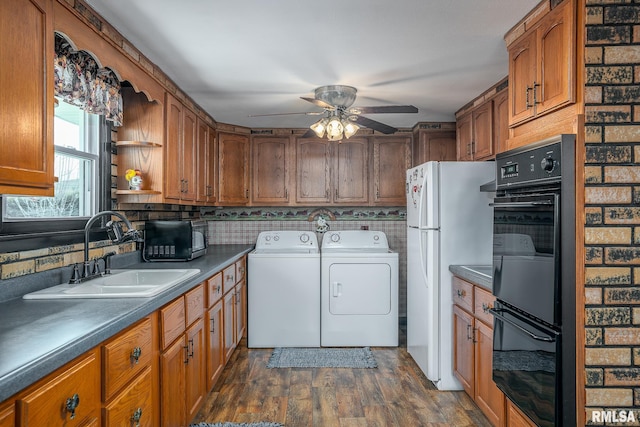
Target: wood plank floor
{"points": [[395, 394]]}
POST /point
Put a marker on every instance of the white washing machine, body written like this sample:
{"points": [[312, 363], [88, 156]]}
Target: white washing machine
{"points": [[283, 290], [359, 290]]}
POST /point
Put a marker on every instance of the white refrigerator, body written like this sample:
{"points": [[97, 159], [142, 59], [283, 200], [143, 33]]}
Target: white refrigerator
{"points": [[449, 221]]}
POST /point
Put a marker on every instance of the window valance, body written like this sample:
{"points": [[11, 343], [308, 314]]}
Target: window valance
{"points": [[80, 81]]}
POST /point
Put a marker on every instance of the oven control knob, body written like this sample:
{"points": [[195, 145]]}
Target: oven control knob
{"points": [[304, 238], [548, 164], [335, 237]]}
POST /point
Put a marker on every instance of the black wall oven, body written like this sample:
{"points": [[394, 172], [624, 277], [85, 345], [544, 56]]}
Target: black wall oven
{"points": [[534, 280]]}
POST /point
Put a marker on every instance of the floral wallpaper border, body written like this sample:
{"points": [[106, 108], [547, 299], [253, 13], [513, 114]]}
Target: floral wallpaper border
{"points": [[297, 214]]}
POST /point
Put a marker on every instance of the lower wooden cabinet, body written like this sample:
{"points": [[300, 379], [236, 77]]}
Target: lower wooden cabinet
{"points": [[172, 384], [215, 344], [473, 349], [196, 377], [68, 397], [515, 417], [229, 309], [8, 415], [134, 406]]}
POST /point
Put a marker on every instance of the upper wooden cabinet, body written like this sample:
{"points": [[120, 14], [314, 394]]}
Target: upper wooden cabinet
{"points": [[180, 152], [434, 142], [500, 121], [390, 160], [332, 172], [481, 128], [542, 64], [233, 172], [26, 97], [207, 164], [271, 157]]}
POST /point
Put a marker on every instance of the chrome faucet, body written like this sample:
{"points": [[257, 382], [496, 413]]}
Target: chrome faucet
{"points": [[114, 231]]}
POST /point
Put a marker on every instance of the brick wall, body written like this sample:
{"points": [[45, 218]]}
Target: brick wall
{"points": [[612, 193]]}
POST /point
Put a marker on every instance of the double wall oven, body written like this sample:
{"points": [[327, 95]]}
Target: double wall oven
{"points": [[534, 280]]}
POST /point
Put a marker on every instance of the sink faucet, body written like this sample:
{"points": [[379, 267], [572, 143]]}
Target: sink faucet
{"points": [[114, 231]]}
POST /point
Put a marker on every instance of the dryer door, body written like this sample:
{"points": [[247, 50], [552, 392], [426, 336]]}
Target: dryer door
{"points": [[359, 288]]}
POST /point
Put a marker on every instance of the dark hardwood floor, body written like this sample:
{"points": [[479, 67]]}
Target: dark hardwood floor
{"points": [[395, 394]]}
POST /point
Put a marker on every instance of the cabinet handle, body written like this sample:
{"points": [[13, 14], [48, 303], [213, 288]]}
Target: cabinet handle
{"points": [[468, 332], [186, 185], [286, 193], [336, 193], [237, 298], [213, 325], [246, 193], [219, 288], [461, 293], [535, 93], [526, 97], [485, 307], [191, 351], [72, 404], [135, 418], [186, 354], [135, 355]]}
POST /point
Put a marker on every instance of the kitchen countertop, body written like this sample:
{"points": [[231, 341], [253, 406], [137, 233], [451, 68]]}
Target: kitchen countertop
{"points": [[39, 336], [481, 275]]}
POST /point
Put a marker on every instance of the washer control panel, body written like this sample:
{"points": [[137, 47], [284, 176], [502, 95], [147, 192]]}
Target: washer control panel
{"points": [[364, 240], [287, 241]]}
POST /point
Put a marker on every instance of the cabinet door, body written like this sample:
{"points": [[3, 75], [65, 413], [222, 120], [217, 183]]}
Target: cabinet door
{"points": [[173, 362], [134, 405], [482, 145], [500, 121], [488, 396], [233, 151], [188, 166], [391, 159], [556, 59], [215, 344], [522, 74], [435, 145], [8, 415], [351, 171], [196, 374], [211, 166], [515, 418], [173, 184], [26, 97], [69, 398], [229, 324], [202, 162], [241, 306], [270, 173], [464, 137], [313, 177], [463, 349]]}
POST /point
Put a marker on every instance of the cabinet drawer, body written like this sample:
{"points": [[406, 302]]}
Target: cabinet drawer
{"points": [[463, 294], [241, 269], [194, 301], [483, 301], [172, 321], [125, 356], [46, 404], [229, 278], [8, 415], [214, 289], [133, 405]]}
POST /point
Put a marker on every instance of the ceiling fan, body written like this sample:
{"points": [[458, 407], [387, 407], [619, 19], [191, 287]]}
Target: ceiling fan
{"points": [[342, 120]]}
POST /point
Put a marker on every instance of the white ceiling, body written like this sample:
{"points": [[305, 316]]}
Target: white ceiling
{"points": [[237, 58]]}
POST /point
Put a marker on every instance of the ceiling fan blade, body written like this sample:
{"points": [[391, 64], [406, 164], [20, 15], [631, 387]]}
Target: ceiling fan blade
{"points": [[308, 134], [319, 103], [372, 124], [312, 113], [384, 109]]}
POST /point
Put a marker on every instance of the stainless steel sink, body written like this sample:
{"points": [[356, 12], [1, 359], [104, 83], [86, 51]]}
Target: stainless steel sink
{"points": [[134, 283]]}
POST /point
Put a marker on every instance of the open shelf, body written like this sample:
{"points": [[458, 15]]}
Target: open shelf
{"points": [[137, 192], [137, 144]]}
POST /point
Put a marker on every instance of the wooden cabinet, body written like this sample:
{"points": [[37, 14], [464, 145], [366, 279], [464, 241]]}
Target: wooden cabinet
{"points": [[182, 362], [234, 306], [390, 159], [542, 65], [8, 415], [68, 397], [271, 157], [134, 406], [207, 164], [26, 98], [233, 172], [515, 417], [473, 348], [332, 172], [434, 142], [215, 343], [481, 127], [180, 153]]}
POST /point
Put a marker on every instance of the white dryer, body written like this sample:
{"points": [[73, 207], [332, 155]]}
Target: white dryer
{"points": [[283, 290], [359, 290]]}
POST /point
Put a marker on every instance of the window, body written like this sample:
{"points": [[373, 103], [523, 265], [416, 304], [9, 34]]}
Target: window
{"points": [[77, 190]]}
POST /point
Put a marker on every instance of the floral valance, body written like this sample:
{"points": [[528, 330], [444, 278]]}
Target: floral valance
{"points": [[80, 81]]}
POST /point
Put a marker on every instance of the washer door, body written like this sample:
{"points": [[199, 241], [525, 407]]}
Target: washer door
{"points": [[359, 288]]}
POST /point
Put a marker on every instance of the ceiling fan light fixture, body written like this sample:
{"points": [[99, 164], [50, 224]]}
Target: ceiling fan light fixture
{"points": [[334, 129], [320, 127], [350, 128]]}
